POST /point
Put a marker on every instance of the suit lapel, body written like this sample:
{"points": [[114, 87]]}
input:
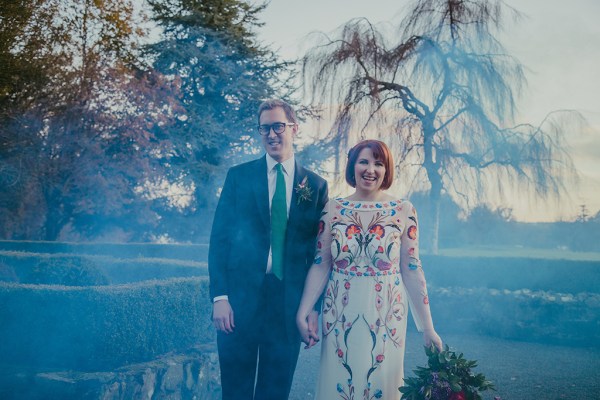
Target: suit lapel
{"points": [[259, 181]]}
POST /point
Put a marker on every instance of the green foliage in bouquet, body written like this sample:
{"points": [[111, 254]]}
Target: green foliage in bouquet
{"points": [[447, 377]]}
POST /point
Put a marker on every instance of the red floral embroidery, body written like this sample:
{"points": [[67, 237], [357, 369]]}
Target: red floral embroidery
{"points": [[377, 230], [426, 300], [412, 232], [352, 230]]}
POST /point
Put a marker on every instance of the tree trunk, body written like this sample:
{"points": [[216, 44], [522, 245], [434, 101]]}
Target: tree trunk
{"points": [[55, 215], [53, 225], [435, 234], [431, 165]]}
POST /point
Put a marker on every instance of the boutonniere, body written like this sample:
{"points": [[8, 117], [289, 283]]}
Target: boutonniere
{"points": [[303, 191]]}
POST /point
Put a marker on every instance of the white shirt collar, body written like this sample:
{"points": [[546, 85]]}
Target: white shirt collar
{"points": [[288, 165]]}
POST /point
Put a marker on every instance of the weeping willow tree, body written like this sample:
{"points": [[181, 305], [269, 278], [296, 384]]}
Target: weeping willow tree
{"points": [[444, 96]]}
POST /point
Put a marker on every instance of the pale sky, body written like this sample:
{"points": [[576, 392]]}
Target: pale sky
{"points": [[557, 41]]}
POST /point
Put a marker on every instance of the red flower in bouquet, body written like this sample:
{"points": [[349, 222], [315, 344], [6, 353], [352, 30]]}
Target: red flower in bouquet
{"points": [[457, 396], [448, 376]]}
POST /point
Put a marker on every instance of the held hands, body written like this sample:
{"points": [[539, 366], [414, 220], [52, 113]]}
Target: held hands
{"points": [[308, 326], [223, 316], [430, 336]]}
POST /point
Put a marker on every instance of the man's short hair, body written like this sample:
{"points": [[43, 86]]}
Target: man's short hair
{"points": [[271, 104]]}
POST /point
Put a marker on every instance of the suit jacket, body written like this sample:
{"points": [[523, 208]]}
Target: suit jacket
{"points": [[240, 241]]}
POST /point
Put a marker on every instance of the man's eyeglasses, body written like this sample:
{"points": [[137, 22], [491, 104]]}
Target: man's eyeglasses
{"points": [[278, 128]]}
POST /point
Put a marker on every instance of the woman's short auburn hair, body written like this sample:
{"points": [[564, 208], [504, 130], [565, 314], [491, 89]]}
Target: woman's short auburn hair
{"points": [[381, 153]]}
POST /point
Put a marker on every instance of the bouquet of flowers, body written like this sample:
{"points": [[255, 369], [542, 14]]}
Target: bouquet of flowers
{"points": [[447, 377]]}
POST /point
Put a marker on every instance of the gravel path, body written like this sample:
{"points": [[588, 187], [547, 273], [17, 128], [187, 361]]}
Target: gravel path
{"points": [[520, 370]]}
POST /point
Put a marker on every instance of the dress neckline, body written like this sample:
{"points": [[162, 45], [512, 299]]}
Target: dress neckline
{"points": [[367, 205]]}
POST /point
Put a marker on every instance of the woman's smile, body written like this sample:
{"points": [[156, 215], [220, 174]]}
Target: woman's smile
{"points": [[368, 171]]}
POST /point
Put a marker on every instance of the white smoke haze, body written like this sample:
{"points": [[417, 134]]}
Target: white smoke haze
{"points": [[177, 194]]}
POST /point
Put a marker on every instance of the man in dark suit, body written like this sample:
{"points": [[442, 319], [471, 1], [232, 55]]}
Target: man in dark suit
{"points": [[261, 246]]}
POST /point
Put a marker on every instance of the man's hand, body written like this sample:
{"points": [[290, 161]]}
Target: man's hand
{"points": [[223, 316], [309, 329], [313, 328]]}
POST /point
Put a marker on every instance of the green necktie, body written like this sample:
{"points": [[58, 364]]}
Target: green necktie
{"points": [[278, 224]]}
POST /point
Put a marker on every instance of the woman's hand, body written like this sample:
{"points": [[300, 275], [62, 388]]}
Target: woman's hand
{"points": [[430, 336], [308, 327]]}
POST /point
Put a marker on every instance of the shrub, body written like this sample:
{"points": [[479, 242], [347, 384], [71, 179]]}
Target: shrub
{"points": [[513, 273], [72, 271], [100, 328], [45, 268], [7, 273], [195, 252], [545, 316]]}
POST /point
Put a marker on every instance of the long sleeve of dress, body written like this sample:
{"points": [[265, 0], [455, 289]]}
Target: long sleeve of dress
{"points": [[412, 271], [318, 273]]}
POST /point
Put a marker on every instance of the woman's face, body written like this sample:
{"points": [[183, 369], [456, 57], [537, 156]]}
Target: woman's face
{"points": [[368, 172]]}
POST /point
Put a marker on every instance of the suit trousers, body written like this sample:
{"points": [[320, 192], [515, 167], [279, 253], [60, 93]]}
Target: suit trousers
{"points": [[258, 361]]}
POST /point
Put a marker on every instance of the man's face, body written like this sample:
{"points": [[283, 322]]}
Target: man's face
{"points": [[278, 146]]}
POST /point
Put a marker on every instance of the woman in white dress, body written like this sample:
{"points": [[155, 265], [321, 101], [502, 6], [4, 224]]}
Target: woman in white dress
{"points": [[367, 267]]}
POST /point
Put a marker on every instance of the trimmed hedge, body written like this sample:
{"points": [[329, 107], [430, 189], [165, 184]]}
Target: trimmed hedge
{"points": [[164, 306], [195, 252], [512, 273], [102, 327], [540, 316], [77, 270]]}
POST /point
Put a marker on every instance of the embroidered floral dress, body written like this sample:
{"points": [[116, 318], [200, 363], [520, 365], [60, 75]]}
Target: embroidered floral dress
{"points": [[372, 251]]}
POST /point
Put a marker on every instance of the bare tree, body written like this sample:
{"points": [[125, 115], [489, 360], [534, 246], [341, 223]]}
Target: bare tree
{"points": [[444, 97]]}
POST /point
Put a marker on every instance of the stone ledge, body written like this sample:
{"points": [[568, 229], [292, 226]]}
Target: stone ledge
{"points": [[190, 375]]}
